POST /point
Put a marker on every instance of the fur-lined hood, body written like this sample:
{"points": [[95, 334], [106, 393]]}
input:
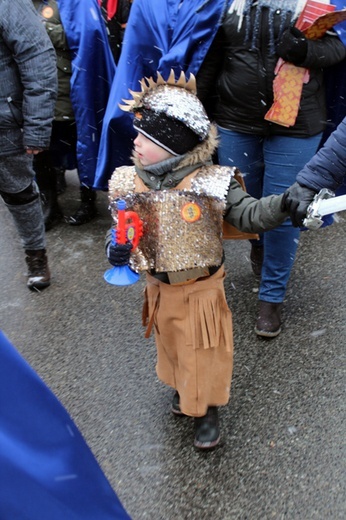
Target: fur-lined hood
{"points": [[202, 153]]}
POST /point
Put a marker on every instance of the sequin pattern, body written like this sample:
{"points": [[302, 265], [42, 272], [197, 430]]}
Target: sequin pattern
{"points": [[171, 241], [179, 104]]}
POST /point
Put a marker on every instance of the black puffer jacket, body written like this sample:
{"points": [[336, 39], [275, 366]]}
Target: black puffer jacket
{"points": [[239, 80], [49, 13]]}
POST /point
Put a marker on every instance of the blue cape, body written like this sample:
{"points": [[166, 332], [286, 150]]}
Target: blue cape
{"points": [[46, 468], [160, 35], [93, 70], [335, 78]]}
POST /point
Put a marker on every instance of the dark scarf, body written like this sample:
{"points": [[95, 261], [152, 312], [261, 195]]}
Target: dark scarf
{"points": [[160, 170]]}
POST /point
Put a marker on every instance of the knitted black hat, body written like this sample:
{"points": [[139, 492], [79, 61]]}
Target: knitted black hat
{"points": [[170, 134]]}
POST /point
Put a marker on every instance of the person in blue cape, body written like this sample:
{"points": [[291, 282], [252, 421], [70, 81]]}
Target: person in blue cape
{"points": [[93, 70], [47, 471], [115, 14], [335, 83], [336, 91], [160, 35]]}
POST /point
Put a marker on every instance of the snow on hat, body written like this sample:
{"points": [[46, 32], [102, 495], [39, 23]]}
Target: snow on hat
{"points": [[169, 113]]}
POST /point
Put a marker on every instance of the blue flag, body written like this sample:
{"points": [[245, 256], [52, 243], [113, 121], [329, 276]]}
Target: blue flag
{"points": [[159, 36], [93, 69], [47, 471]]}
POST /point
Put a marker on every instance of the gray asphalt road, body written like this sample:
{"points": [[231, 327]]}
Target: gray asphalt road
{"points": [[283, 450]]}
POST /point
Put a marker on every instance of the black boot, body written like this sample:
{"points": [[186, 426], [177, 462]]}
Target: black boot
{"points": [[87, 209], [268, 323], [46, 178], [256, 259], [51, 209], [207, 432], [176, 404], [38, 270], [60, 181]]}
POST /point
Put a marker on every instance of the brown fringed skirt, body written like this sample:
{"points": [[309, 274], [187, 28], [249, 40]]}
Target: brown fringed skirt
{"points": [[194, 339]]}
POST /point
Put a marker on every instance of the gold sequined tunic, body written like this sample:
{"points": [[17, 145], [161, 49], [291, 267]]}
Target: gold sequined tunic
{"points": [[182, 227]]}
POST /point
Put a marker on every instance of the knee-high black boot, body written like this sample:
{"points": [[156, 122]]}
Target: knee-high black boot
{"points": [[60, 181], [46, 178], [87, 209]]}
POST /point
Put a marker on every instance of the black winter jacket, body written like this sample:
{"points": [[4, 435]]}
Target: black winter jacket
{"points": [[50, 16], [235, 81]]}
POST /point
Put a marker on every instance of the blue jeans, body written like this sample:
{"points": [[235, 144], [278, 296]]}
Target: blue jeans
{"points": [[269, 166]]}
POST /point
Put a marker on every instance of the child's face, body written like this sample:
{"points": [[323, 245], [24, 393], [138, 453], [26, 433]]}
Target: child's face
{"points": [[148, 152]]}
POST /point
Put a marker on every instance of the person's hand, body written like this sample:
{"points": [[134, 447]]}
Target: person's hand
{"points": [[296, 201], [119, 254], [293, 46]]}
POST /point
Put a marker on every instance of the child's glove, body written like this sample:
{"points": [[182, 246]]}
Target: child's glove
{"points": [[296, 201], [293, 46], [119, 254]]}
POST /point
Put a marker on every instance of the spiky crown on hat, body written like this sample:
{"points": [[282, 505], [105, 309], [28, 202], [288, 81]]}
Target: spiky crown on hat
{"points": [[175, 99]]}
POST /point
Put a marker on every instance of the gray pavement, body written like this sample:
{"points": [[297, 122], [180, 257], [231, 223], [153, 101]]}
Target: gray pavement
{"points": [[283, 450]]}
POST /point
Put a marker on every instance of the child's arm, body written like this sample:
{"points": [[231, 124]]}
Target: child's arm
{"points": [[251, 215]]}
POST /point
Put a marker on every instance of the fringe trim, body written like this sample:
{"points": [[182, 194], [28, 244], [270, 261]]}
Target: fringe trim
{"points": [[209, 319], [148, 319]]}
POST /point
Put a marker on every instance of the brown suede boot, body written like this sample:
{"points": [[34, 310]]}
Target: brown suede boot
{"points": [[268, 322]]}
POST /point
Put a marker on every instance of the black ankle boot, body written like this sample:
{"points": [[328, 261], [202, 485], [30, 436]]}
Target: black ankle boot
{"points": [[38, 270], [87, 209], [207, 432], [268, 323], [176, 405]]}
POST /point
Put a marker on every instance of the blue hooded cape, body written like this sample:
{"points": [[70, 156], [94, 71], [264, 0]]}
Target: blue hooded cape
{"points": [[335, 78], [46, 468], [160, 35], [93, 70]]}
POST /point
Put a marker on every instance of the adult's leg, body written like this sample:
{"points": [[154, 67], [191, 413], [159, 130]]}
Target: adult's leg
{"points": [[20, 193], [245, 151], [87, 210], [284, 157], [46, 178], [64, 156], [21, 196]]}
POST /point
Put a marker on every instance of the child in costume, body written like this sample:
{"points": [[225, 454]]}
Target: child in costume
{"points": [[182, 199]]}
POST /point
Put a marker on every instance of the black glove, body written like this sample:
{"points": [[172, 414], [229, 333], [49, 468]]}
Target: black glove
{"points": [[296, 201], [119, 254], [293, 46]]}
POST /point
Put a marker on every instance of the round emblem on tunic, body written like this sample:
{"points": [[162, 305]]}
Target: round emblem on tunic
{"points": [[191, 212], [47, 12]]}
